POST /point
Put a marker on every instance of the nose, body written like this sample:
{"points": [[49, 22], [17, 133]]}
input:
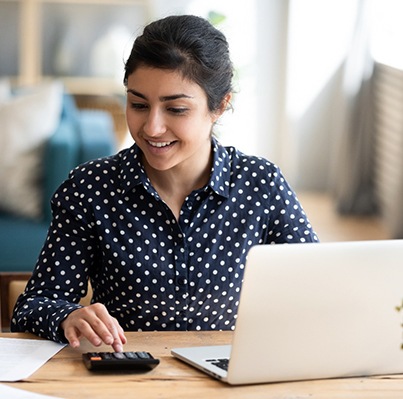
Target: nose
{"points": [[155, 123]]}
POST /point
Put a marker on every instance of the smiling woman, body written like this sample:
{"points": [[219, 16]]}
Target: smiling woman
{"points": [[163, 228]]}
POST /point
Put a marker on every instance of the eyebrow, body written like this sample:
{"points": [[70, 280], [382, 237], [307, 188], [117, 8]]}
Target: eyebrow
{"points": [[163, 98]]}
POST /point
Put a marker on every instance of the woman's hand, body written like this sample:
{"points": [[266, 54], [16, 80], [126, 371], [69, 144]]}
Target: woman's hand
{"points": [[94, 323]]}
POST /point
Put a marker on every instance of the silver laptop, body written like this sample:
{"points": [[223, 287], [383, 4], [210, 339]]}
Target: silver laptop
{"points": [[310, 311]]}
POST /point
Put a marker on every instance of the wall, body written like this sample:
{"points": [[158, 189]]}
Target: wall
{"points": [[8, 39], [69, 34], [302, 144]]}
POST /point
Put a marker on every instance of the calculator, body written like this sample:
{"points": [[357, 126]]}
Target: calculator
{"points": [[110, 361]]}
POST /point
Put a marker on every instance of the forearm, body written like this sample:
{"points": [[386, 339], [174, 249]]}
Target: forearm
{"points": [[41, 316]]}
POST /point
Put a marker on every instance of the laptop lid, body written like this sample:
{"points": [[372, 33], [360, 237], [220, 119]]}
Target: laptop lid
{"points": [[310, 311]]}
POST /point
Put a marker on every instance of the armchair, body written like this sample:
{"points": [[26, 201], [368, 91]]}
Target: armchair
{"points": [[80, 136]]}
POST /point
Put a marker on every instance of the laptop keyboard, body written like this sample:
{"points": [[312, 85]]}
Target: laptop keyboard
{"points": [[221, 363]]}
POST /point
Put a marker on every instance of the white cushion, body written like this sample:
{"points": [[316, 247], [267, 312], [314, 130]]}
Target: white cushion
{"points": [[5, 90], [27, 121]]}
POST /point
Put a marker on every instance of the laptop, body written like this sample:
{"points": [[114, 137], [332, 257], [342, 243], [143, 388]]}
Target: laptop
{"points": [[313, 311]]}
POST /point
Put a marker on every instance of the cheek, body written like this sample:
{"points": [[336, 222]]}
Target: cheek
{"points": [[133, 121]]}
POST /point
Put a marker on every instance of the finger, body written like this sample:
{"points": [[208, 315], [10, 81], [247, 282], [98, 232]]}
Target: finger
{"points": [[96, 325], [114, 328], [86, 322], [122, 335], [120, 340], [72, 337], [107, 329], [85, 331], [117, 347]]}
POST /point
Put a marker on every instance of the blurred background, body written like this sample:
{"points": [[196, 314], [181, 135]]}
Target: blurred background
{"points": [[319, 88]]}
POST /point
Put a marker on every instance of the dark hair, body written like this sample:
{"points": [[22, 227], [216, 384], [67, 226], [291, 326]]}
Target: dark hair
{"points": [[190, 45]]}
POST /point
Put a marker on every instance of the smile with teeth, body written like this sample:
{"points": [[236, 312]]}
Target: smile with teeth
{"points": [[160, 144]]}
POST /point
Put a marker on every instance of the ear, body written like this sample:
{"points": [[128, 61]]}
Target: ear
{"points": [[225, 104]]}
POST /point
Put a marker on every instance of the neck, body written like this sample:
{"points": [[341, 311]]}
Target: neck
{"points": [[175, 184], [180, 179]]}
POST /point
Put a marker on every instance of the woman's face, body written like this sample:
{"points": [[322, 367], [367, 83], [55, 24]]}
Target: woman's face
{"points": [[169, 119]]}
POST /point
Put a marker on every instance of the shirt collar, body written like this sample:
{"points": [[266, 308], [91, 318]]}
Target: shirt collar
{"points": [[220, 172], [133, 173]]}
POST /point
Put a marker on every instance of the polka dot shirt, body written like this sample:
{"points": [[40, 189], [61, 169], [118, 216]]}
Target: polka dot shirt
{"points": [[151, 271]]}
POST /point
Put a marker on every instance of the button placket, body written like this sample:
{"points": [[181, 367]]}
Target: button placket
{"points": [[181, 279]]}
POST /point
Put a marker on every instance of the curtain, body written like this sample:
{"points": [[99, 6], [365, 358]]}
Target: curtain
{"points": [[388, 100], [354, 168]]}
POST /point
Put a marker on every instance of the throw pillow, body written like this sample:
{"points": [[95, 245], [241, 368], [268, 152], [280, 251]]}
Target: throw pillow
{"points": [[27, 121], [5, 90]]}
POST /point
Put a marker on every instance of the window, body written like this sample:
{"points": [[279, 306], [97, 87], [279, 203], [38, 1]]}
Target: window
{"points": [[387, 32]]}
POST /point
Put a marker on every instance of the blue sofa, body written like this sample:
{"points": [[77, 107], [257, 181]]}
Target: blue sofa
{"points": [[81, 135]]}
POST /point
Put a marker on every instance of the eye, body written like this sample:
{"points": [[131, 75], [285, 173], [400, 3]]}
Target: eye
{"points": [[138, 106], [178, 110]]}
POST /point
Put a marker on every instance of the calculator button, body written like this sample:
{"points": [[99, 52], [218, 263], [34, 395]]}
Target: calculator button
{"points": [[143, 355], [131, 355], [118, 355]]}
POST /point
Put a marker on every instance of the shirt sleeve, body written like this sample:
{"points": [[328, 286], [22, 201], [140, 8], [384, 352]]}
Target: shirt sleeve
{"points": [[60, 278], [288, 222]]}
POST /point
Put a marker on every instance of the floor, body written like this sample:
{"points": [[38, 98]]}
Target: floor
{"points": [[332, 227]]}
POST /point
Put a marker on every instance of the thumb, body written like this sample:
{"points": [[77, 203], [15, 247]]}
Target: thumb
{"points": [[72, 337]]}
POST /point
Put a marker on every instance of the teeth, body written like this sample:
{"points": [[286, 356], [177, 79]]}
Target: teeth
{"points": [[159, 145]]}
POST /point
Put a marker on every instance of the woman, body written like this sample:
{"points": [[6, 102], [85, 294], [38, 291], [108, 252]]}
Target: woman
{"points": [[161, 229]]}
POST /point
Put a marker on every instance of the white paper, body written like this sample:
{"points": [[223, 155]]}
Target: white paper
{"points": [[19, 358], [14, 393]]}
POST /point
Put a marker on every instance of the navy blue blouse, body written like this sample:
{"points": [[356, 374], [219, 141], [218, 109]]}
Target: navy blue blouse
{"points": [[151, 271]]}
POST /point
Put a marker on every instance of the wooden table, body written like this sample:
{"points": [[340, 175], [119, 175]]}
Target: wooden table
{"points": [[65, 376]]}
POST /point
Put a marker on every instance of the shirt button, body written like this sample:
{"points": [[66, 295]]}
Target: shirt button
{"points": [[181, 281]]}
